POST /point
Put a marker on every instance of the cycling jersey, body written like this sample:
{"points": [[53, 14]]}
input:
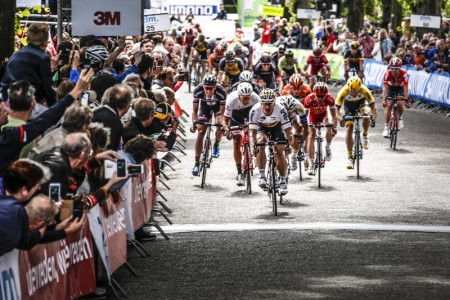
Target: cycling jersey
{"points": [[188, 40], [353, 104], [400, 80], [235, 110], [305, 90], [318, 111], [232, 71], [279, 115], [200, 46], [214, 60], [297, 110], [267, 74], [207, 106], [291, 67], [353, 60], [316, 64]]}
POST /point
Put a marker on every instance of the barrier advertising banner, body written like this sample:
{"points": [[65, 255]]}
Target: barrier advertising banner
{"points": [[49, 271], [10, 279], [108, 229]]}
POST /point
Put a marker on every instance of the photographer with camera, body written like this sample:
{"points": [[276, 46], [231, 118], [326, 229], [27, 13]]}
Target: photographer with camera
{"points": [[367, 43]]}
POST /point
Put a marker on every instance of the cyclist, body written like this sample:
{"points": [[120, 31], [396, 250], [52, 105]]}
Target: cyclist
{"points": [[297, 115], [201, 49], [296, 88], [317, 103], [210, 97], [267, 71], [251, 49], [229, 69], [238, 106], [395, 84], [319, 64], [242, 53], [214, 60], [276, 56], [353, 59], [188, 40], [270, 120], [288, 65], [246, 76], [356, 97]]}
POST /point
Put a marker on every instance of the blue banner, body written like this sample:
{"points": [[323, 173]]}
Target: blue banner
{"points": [[432, 87]]}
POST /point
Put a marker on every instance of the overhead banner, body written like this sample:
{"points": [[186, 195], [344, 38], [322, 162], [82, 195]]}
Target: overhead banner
{"points": [[107, 17], [53, 271], [201, 9], [273, 11], [155, 23], [426, 21]]}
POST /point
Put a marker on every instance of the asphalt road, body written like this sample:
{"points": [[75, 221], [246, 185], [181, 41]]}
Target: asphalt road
{"points": [[383, 236]]}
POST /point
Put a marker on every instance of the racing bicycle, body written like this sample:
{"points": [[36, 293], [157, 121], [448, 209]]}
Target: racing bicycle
{"points": [[319, 162], [358, 149]]}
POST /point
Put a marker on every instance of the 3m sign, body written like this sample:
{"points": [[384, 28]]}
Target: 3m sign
{"points": [[107, 17]]}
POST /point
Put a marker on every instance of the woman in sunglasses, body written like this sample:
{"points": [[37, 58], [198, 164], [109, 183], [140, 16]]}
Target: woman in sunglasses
{"points": [[395, 85]]}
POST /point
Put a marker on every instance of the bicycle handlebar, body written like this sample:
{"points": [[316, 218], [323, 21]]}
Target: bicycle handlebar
{"points": [[271, 143], [351, 118], [207, 124], [321, 125]]}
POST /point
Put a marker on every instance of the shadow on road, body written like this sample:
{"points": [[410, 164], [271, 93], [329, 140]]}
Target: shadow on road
{"points": [[291, 204], [211, 188], [361, 179], [282, 215], [324, 188], [243, 193], [400, 151]]}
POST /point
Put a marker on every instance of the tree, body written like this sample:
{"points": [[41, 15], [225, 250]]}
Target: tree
{"points": [[7, 12], [355, 15]]}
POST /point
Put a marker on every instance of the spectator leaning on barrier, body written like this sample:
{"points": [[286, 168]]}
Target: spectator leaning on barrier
{"points": [[305, 40], [163, 126], [32, 64], [109, 115], [13, 139], [145, 111], [21, 104], [71, 163]]}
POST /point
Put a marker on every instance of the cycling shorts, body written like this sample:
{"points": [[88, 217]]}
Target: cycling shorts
{"points": [[395, 91], [316, 119], [202, 55], [232, 79], [274, 133], [351, 107], [206, 111]]}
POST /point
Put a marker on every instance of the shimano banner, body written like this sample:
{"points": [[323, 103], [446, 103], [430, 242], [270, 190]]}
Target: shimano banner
{"points": [[202, 10]]}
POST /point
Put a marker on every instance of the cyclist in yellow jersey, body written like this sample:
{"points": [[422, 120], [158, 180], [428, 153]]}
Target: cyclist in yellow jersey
{"points": [[230, 68], [201, 49], [356, 97]]}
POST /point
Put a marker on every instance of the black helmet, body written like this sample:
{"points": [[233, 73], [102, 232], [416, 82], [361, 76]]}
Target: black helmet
{"points": [[265, 58], [210, 80], [289, 53], [229, 55]]}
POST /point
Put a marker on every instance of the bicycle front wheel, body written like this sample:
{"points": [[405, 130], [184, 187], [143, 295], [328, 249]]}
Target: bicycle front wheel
{"points": [[394, 130], [357, 153], [319, 163], [205, 161], [247, 170], [273, 187]]}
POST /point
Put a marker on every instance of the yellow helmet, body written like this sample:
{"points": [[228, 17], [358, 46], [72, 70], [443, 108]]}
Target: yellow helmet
{"points": [[354, 83]]}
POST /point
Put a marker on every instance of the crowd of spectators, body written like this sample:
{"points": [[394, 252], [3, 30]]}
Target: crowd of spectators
{"points": [[64, 112], [429, 52]]}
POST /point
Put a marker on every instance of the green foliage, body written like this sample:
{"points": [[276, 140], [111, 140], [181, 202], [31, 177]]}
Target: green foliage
{"points": [[23, 14], [291, 6], [369, 7]]}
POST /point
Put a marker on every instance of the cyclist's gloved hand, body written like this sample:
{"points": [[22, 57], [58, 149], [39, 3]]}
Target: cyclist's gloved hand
{"points": [[342, 123], [372, 123]]}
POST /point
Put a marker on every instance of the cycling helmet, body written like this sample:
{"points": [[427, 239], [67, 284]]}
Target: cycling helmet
{"points": [[289, 54], [219, 49], [238, 41], [354, 83], [317, 52], [282, 48], [201, 38], [244, 89], [229, 56], [296, 80], [355, 45], [210, 80], [224, 44], [246, 76], [96, 54], [246, 43], [267, 96], [288, 101], [237, 48], [265, 58], [320, 89], [395, 62]]}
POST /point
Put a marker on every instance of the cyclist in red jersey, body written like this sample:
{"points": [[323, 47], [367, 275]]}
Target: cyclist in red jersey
{"points": [[395, 84], [317, 103], [318, 63], [188, 41], [214, 60]]}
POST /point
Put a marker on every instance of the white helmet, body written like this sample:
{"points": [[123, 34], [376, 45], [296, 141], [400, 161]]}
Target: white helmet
{"points": [[244, 89], [267, 96], [246, 76], [97, 54], [288, 101]]}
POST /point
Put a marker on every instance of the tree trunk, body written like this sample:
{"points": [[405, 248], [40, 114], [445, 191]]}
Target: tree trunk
{"points": [[7, 12], [429, 8], [355, 18]]}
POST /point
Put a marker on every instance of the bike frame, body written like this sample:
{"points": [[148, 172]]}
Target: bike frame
{"points": [[247, 157], [393, 124], [358, 149], [319, 162]]}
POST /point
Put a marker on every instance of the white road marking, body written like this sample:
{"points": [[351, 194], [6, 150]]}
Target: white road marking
{"points": [[185, 228]]}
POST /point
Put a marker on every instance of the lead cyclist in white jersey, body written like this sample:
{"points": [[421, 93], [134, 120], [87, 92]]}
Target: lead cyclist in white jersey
{"points": [[270, 121], [237, 109]]}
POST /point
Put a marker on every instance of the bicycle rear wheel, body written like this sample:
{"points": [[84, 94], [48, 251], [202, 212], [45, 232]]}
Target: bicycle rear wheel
{"points": [[300, 158], [273, 189], [205, 161], [247, 170], [319, 163]]}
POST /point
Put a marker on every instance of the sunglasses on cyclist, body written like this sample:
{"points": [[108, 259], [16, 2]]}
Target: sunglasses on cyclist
{"points": [[230, 61], [245, 98], [209, 87], [395, 69], [317, 57], [267, 103]]}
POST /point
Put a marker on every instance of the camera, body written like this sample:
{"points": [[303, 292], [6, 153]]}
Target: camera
{"points": [[87, 64], [54, 191], [64, 57], [135, 169], [121, 168], [78, 209], [184, 76]]}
